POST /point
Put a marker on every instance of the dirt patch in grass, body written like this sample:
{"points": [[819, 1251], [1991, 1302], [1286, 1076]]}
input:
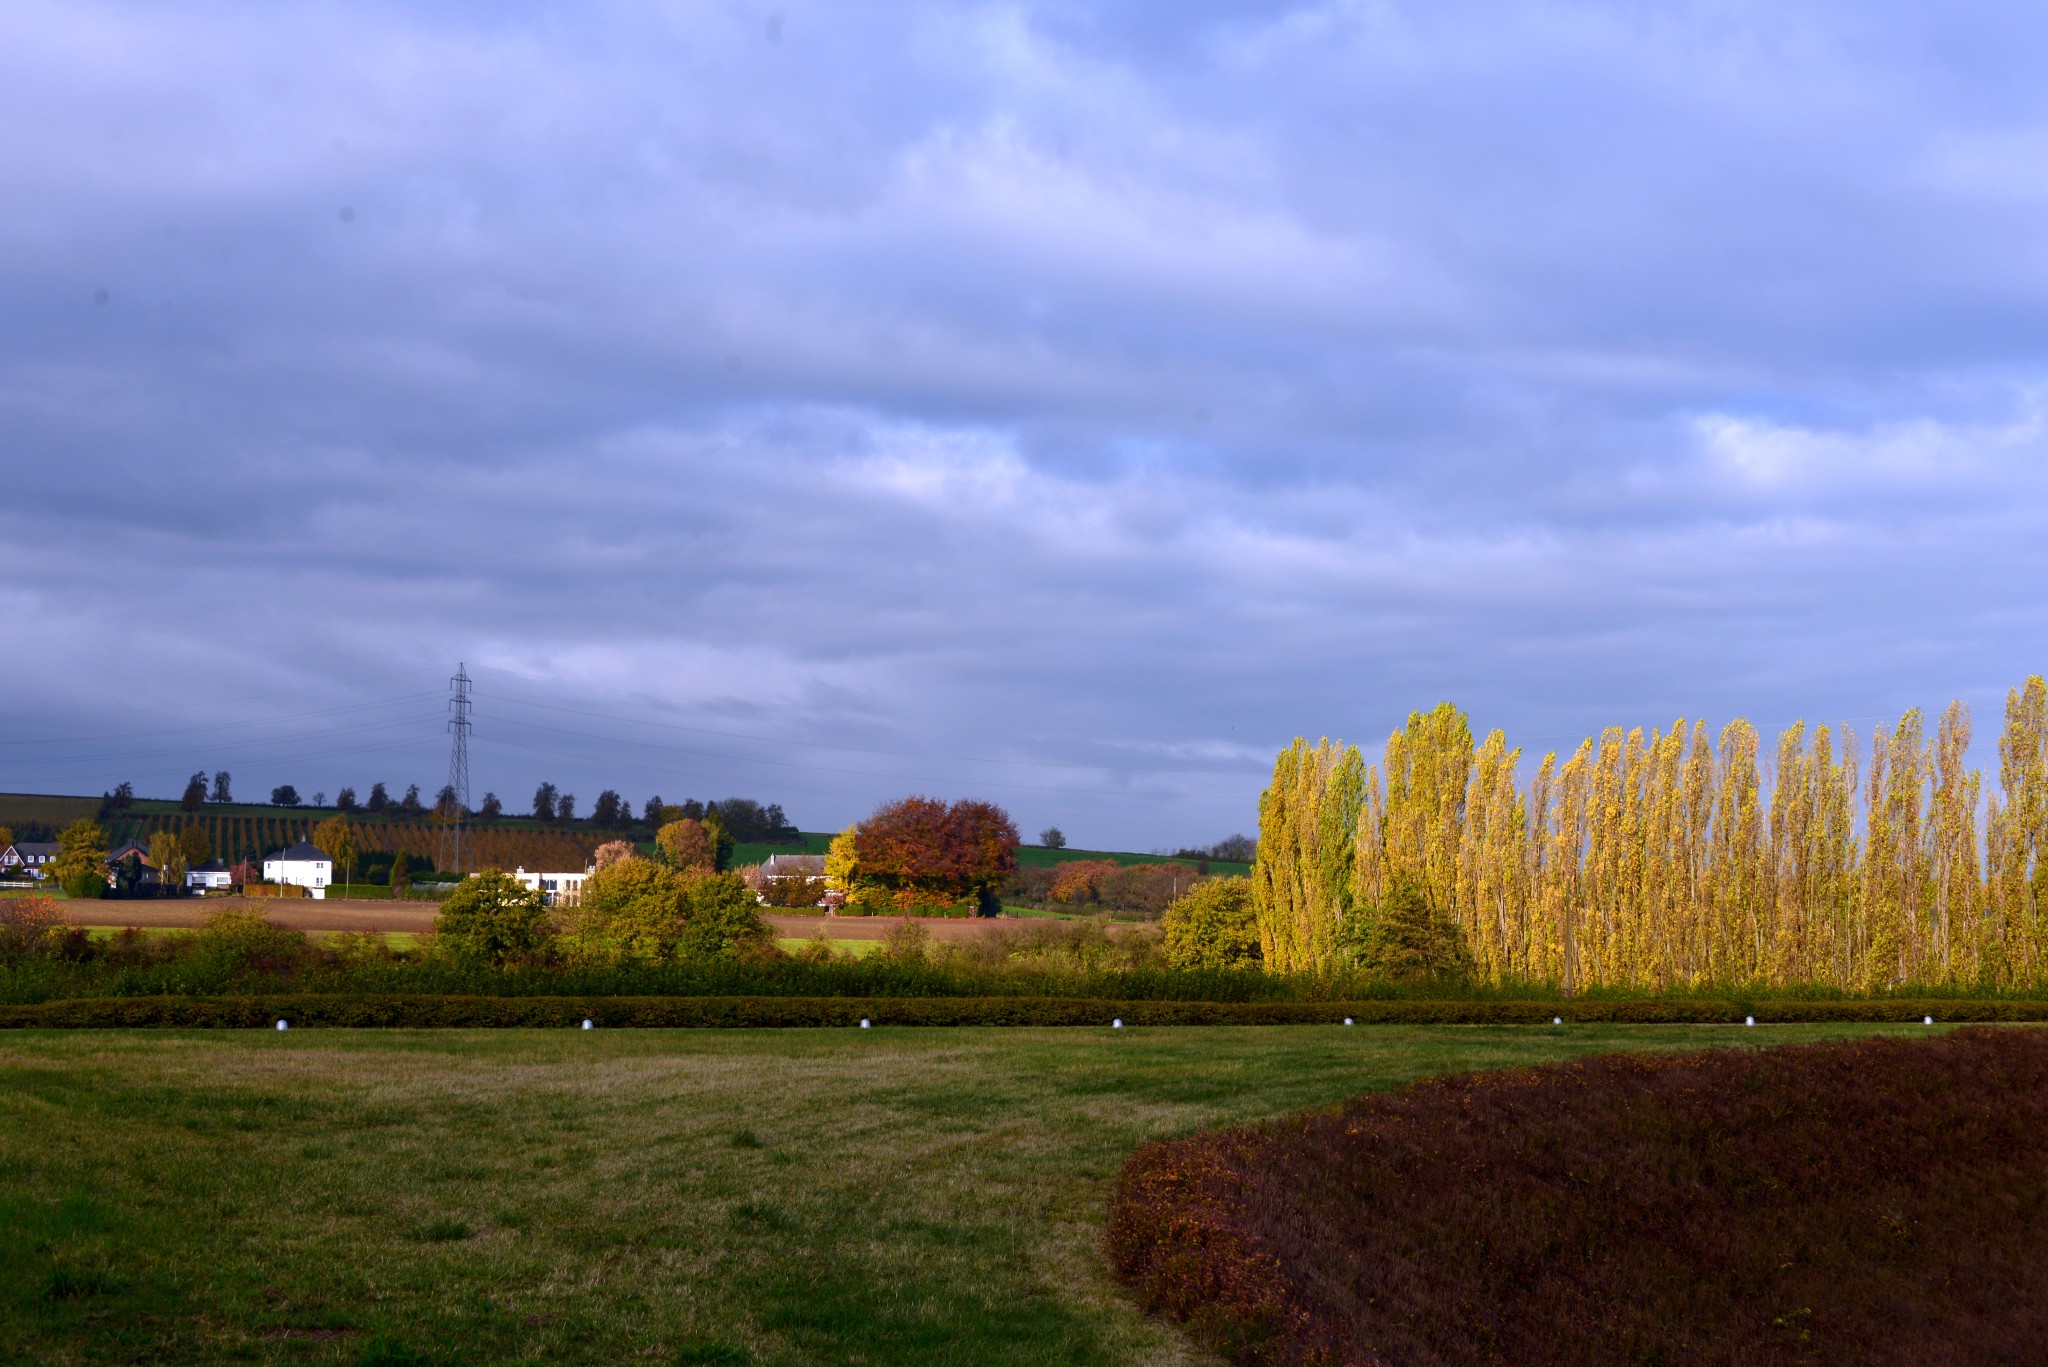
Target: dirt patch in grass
{"points": [[1879, 1202]]}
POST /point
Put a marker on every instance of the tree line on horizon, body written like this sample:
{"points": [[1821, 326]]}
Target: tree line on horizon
{"points": [[1669, 860]]}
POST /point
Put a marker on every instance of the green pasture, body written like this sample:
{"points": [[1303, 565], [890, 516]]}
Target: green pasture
{"points": [[767, 1197]]}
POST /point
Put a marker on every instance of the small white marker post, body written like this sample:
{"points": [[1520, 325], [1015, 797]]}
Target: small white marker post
{"points": [[863, 1022], [1557, 1020], [1927, 1020], [282, 1026], [1347, 1020], [1117, 1024], [1749, 1020], [589, 1024]]}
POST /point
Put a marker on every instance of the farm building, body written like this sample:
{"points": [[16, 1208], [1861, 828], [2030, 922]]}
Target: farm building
{"points": [[560, 889], [28, 856], [301, 865]]}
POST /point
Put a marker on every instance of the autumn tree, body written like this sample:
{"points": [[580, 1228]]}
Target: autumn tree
{"points": [[167, 852], [686, 846], [195, 845], [410, 804], [490, 809], [337, 839], [924, 852], [194, 796]]}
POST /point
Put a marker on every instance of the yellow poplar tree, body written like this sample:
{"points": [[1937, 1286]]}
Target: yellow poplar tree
{"points": [[1302, 879]]}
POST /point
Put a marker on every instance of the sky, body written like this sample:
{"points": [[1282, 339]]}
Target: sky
{"points": [[1060, 404]]}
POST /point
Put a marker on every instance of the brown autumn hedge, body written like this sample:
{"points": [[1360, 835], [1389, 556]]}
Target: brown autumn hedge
{"points": [[1882, 1202], [362, 1010]]}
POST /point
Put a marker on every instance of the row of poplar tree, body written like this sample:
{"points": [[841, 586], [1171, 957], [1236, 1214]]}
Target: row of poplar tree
{"points": [[1679, 857]]}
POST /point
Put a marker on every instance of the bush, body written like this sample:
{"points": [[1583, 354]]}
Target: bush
{"points": [[1214, 926], [1875, 1202], [234, 943], [30, 925], [493, 918]]}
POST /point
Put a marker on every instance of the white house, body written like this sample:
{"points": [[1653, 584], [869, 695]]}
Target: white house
{"points": [[560, 889], [779, 868], [29, 856], [210, 876], [302, 865]]}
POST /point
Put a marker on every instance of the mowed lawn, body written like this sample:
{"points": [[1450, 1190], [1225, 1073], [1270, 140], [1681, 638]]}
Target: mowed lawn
{"points": [[884, 1196]]}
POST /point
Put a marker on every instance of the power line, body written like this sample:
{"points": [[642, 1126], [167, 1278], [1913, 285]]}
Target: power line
{"points": [[870, 750]]}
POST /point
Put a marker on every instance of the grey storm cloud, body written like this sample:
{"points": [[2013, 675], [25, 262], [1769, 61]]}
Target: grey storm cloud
{"points": [[1064, 404]]}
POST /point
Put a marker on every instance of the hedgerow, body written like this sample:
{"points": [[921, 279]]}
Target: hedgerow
{"points": [[259, 1010]]}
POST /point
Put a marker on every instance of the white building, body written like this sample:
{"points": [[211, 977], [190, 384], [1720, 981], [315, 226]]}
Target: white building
{"points": [[30, 856], [210, 876], [301, 865], [560, 889]]}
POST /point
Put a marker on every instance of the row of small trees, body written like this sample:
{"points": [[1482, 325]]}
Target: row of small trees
{"points": [[1679, 857]]}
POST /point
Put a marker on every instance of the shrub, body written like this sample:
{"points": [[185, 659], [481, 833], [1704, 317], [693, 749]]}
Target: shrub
{"points": [[1876, 1202], [1214, 926], [30, 925], [493, 918], [234, 942]]}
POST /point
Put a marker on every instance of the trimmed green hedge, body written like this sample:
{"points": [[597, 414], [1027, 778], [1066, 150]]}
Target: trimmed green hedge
{"points": [[315, 1009]]}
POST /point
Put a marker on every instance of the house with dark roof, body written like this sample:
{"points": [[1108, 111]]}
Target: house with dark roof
{"points": [[141, 853], [32, 857], [302, 865]]}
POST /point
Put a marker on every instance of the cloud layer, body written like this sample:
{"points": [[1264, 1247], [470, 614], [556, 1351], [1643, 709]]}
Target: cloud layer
{"points": [[828, 402]]}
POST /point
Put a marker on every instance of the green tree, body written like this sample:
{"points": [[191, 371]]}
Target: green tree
{"points": [[1214, 925], [493, 918], [401, 875], [1406, 940], [195, 845], [1052, 838], [723, 920], [637, 909], [81, 864], [721, 843]]}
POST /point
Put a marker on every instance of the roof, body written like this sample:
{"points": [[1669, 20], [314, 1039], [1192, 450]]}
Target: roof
{"points": [[134, 847], [300, 853], [794, 866], [28, 847], [210, 866]]}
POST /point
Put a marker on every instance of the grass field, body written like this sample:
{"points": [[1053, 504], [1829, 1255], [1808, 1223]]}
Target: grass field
{"points": [[772, 1197]]}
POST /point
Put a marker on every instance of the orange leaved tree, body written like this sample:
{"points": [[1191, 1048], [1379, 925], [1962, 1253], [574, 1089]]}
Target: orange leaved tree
{"points": [[922, 851]]}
